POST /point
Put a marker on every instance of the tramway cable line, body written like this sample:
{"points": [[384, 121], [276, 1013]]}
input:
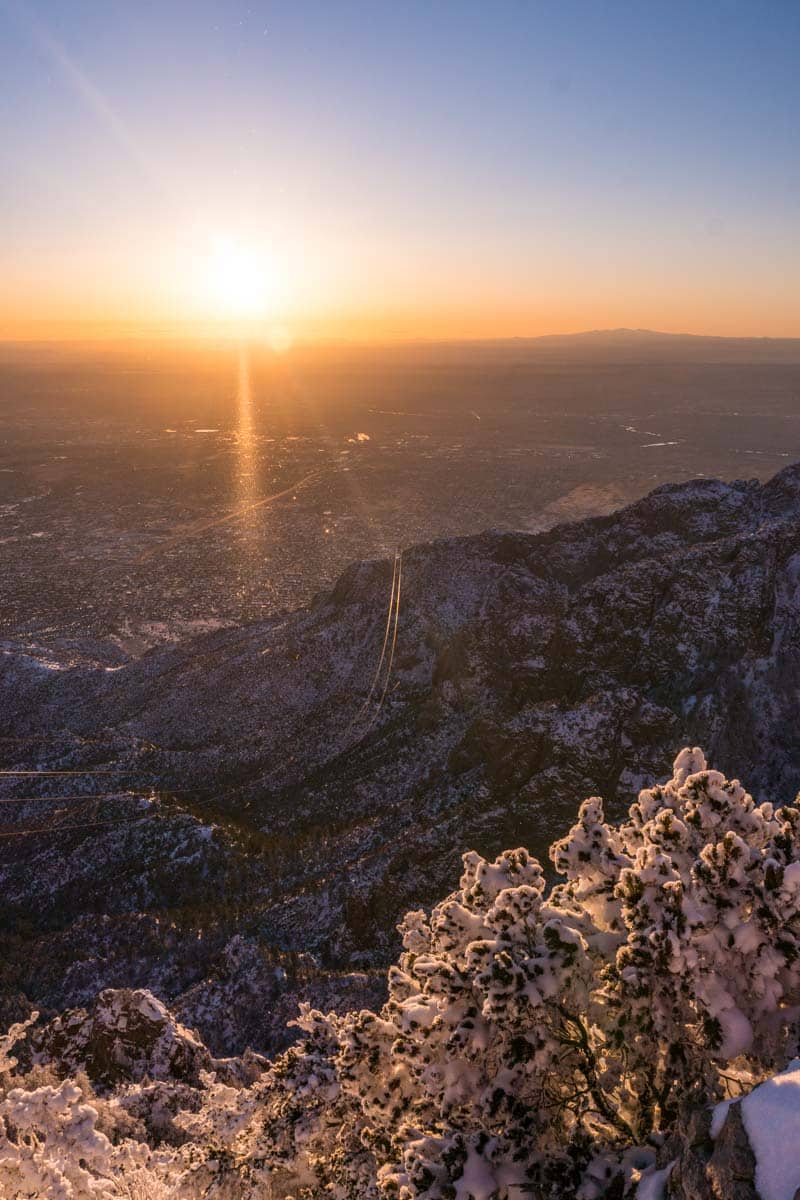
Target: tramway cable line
{"points": [[394, 644], [365, 705]]}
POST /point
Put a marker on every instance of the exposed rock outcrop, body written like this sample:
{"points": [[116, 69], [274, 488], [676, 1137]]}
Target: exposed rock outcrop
{"points": [[126, 1034]]}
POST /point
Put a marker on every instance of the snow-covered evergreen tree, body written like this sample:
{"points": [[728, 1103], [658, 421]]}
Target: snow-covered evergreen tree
{"points": [[524, 1030]]}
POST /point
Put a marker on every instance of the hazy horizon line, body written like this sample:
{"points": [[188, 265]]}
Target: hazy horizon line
{"points": [[92, 332]]}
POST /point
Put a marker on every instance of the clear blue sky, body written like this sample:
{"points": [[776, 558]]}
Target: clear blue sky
{"points": [[450, 165]]}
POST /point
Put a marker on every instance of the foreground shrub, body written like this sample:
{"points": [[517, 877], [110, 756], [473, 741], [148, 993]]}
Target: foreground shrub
{"points": [[526, 1032], [534, 1043]]}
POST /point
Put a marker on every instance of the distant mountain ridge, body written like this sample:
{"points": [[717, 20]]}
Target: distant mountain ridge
{"points": [[621, 345], [319, 773], [653, 342], [624, 333], [621, 340]]}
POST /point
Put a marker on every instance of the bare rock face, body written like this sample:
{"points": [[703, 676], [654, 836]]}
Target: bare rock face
{"points": [[722, 1169], [126, 1035], [732, 1167]]}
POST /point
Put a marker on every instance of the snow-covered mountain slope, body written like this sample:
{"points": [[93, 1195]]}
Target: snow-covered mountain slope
{"points": [[318, 774]]}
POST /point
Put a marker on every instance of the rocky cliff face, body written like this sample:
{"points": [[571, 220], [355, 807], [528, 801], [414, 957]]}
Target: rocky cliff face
{"points": [[743, 1149], [299, 783]]}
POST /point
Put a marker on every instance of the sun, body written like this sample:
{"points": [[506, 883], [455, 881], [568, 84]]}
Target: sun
{"points": [[241, 284]]}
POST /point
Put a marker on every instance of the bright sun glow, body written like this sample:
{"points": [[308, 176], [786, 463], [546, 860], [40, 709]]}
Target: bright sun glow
{"points": [[242, 286]]}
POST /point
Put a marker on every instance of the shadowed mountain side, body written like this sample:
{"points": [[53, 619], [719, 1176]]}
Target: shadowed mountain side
{"points": [[319, 787]]}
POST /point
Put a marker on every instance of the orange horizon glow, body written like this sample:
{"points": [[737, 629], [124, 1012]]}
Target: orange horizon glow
{"points": [[374, 328], [210, 285]]}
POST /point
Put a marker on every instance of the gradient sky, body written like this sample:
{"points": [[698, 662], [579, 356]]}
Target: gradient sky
{"points": [[403, 168]]}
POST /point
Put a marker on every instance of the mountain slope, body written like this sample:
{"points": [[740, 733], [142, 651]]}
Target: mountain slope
{"points": [[303, 811]]}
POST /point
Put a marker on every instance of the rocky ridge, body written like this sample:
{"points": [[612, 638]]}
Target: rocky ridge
{"points": [[266, 801]]}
